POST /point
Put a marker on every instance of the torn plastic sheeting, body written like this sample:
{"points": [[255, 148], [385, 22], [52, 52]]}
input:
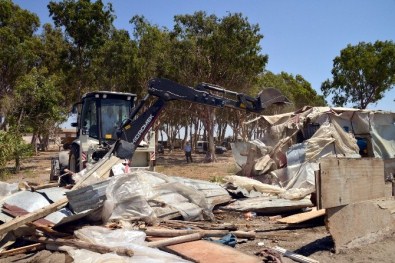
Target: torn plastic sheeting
{"points": [[297, 193], [120, 238], [296, 154], [125, 199], [213, 192], [250, 185], [194, 197], [7, 189], [129, 196], [302, 175], [383, 135], [328, 133]]}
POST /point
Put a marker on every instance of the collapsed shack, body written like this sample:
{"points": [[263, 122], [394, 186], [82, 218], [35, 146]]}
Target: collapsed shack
{"points": [[343, 157], [130, 214]]}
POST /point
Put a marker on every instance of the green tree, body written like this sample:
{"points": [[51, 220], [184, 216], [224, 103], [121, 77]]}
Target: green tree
{"points": [[224, 51], [13, 148], [37, 104], [362, 74], [114, 61], [154, 47], [54, 50], [87, 26], [17, 45]]}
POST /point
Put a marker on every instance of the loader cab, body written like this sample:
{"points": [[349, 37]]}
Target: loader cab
{"points": [[100, 113]]}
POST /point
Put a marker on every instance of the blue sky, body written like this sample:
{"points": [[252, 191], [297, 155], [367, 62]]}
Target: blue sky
{"points": [[300, 36]]}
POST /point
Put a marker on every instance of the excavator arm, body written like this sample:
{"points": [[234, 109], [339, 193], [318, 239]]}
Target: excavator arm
{"points": [[133, 130]]}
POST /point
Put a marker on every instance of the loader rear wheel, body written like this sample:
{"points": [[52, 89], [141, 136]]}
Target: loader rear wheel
{"points": [[74, 159]]}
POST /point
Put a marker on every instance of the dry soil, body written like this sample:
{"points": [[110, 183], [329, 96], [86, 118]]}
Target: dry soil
{"points": [[309, 239]]}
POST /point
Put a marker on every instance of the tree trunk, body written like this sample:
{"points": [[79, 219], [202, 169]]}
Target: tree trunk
{"points": [[196, 124], [210, 120], [17, 164], [34, 143], [185, 136]]}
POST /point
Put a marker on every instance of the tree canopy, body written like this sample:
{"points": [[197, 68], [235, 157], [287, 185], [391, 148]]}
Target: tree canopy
{"points": [[44, 72], [362, 74]]}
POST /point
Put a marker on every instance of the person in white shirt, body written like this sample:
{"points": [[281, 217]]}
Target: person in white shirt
{"points": [[188, 152]]}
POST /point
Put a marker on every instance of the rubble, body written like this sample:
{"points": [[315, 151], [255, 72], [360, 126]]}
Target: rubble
{"points": [[310, 161]]}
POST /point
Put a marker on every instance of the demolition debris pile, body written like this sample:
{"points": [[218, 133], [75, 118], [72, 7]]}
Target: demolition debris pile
{"points": [[332, 162]]}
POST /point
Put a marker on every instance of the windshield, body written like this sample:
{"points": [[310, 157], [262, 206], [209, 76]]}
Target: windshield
{"points": [[88, 118], [113, 112]]}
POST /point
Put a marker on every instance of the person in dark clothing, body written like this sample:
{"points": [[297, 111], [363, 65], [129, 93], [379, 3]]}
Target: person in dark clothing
{"points": [[188, 152]]}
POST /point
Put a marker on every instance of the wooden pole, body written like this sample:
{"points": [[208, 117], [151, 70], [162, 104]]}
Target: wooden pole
{"points": [[205, 233], [21, 250], [175, 240], [183, 232], [44, 186]]}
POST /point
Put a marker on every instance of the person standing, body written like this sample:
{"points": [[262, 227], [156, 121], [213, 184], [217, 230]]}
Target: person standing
{"points": [[188, 152]]}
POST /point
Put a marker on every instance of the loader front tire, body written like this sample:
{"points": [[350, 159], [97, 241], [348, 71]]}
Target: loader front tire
{"points": [[74, 159]]}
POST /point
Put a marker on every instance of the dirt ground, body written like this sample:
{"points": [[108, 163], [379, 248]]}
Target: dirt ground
{"points": [[309, 239]]}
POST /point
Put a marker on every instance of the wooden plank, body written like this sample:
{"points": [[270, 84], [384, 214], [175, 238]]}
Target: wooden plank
{"points": [[317, 177], [99, 172], [346, 181], [204, 251], [20, 221], [302, 217]]}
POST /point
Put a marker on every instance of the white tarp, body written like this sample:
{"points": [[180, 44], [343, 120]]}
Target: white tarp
{"points": [[135, 196], [377, 126], [119, 238]]}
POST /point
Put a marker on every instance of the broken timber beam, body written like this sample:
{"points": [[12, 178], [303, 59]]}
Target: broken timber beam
{"points": [[44, 186], [23, 250], [205, 233], [44, 211], [199, 225], [175, 240], [121, 251]]}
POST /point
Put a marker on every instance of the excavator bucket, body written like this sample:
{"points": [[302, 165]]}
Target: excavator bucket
{"points": [[271, 96]]}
